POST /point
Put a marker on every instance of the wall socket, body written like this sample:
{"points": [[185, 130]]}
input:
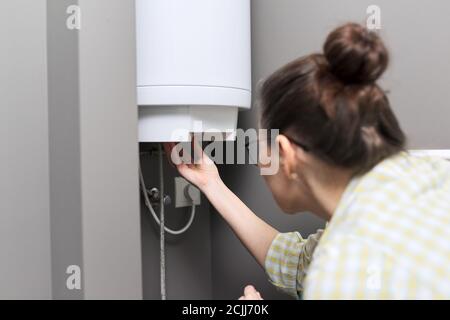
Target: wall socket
{"points": [[181, 200]]}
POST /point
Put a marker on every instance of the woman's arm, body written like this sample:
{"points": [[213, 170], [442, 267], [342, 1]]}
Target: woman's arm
{"points": [[253, 232]]}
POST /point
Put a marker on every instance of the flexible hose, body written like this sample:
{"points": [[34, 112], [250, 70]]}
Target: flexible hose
{"points": [[162, 252]]}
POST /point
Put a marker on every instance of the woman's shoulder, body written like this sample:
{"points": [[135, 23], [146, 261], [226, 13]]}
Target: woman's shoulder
{"points": [[405, 176]]}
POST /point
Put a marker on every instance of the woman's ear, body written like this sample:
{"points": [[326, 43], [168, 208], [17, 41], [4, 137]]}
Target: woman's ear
{"points": [[287, 155]]}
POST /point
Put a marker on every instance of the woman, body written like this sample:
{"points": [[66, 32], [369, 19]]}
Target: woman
{"points": [[342, 158]]}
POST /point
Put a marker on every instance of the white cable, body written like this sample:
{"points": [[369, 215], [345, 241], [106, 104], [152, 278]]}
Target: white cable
{"points": [[155, 216], [160, 220]]}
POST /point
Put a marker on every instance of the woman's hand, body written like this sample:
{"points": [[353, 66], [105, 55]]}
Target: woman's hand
{"points": [[202, 173], [250, 293]]}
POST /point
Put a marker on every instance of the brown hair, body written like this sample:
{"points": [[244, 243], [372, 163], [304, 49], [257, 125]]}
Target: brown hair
{"points": [[332, 103]]}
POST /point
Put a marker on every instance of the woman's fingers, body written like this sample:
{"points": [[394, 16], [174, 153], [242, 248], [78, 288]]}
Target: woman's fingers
{"points": [[168, 147], [250, 293], [198, 172], [249, 290], [197, 151], [196, 155]]}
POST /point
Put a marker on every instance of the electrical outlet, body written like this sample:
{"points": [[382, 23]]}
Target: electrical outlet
{"points": [[181, 200]]}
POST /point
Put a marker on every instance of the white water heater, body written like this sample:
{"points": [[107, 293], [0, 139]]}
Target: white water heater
{"points": [[193, 66]]}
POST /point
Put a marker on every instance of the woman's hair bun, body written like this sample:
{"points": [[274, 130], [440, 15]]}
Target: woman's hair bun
{"points": [[355, 54]]}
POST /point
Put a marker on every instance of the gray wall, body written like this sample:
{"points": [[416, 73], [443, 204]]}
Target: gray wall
{"points": [[24, 170], [416, 33]]}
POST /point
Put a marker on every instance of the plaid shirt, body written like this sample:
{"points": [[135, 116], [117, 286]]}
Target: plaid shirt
{"points": [[389, 238]]}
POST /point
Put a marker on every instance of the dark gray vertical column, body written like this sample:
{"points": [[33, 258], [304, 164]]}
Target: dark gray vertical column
{"points": [[109, 150], [64, 142]]}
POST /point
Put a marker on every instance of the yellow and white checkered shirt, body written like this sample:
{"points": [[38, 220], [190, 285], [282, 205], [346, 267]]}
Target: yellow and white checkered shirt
{"points": [[389, 238]]}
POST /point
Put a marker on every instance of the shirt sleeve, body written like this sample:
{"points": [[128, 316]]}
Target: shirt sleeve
{"points": [[288, 259]]}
